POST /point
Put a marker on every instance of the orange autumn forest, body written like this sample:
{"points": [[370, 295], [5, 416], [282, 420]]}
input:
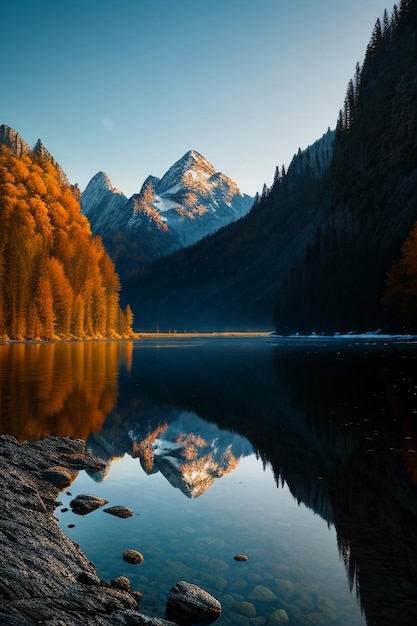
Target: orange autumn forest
{"points": [[56, 279]]}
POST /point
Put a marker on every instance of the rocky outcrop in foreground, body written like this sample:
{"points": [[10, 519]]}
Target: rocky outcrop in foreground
{"points": [[44, 576]]}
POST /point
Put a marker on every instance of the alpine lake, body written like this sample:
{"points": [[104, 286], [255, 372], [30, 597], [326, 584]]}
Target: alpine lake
{"points": [[299, 453]]}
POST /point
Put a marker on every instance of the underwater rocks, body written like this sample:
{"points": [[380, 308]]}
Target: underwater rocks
{"points": [[240, 557], [262, 594], [132, 556], [44, 576], [188, 604]]}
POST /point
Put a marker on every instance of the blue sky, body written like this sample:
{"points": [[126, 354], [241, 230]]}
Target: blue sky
{"points": [[129, 86]]}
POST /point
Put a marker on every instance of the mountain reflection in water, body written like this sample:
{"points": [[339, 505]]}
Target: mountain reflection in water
{"points": [[189, 452], [336, 423]]}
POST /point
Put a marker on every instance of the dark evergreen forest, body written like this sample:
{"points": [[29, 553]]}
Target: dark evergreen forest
{"points": [[324, 249]]}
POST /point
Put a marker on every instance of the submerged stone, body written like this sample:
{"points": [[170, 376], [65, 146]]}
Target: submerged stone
{"points": [[246, 608], [284, 587], [240, 557], [278, 617], [84, 504], [262, 594], [188, 604], [327, 606], [132, 556]]}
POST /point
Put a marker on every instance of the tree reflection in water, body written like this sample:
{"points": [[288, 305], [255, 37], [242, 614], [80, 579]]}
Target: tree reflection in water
{"points": [[59, 389], [336, 421]]}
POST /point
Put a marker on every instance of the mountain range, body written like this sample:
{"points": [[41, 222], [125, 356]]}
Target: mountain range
{"points": [[192, 200], [330, 246]]}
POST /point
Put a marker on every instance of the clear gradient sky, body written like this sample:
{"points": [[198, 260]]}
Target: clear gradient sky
{"points": [[129, 86]]}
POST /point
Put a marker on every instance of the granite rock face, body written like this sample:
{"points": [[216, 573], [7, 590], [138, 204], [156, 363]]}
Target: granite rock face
{"points": [[12, 139], [44, 576]]}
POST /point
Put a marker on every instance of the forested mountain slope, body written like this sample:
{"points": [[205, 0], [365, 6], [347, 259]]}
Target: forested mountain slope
{"points": [[56, 280], [314, 252], [339, 284], [230, 280]]}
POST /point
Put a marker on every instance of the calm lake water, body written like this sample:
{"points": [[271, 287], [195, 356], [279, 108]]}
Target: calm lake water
{"points": [[300, 454]]}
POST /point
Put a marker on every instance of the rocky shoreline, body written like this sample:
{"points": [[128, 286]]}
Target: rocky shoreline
{"points": [[44, 576]]}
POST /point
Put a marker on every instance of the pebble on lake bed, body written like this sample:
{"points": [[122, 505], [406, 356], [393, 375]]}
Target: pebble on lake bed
{"points": [[240, 557], [132, 556]]}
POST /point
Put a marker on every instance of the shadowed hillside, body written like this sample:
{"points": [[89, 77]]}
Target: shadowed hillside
{"points": [[314, 252]]}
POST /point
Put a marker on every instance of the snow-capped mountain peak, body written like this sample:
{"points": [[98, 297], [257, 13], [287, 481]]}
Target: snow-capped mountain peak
{"points": [[101, 181], [191, 167], [103, 204], [190, 201]]}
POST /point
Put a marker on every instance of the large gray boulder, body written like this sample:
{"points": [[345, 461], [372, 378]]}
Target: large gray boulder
{"points": [[188, 604]]}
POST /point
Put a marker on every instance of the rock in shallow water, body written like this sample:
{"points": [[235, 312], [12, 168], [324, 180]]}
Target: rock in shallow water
{"points": [[119, 511], [246, 608], [278, 617], [84, 504], [262, 594], [188, 604], [132, 556]]}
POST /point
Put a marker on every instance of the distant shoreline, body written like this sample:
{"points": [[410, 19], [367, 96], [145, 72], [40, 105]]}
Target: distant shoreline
{"points": [[141, 335], [299, 338], [265, 333]]}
